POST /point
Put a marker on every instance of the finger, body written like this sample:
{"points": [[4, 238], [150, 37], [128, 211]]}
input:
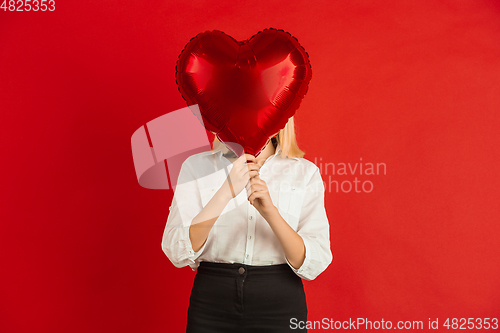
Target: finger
{"points": [[255, 195], [240, 160], [251, 158], [256, 188], [243, 165], [253, 174], [253, 166], [257, 181], [251, 197]]}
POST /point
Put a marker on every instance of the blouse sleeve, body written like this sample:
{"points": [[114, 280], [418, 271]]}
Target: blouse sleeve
{"points": [[314, 229], [186, 204]]}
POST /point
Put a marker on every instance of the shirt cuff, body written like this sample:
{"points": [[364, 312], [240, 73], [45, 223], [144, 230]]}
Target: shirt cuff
{"points": [[188, 252], [303, 271]]}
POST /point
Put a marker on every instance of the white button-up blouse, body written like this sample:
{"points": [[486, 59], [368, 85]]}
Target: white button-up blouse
{"points": [[241, 234]]}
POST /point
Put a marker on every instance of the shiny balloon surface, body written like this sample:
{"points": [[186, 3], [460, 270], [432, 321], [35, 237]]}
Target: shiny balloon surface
{"points": [[246, 90]]}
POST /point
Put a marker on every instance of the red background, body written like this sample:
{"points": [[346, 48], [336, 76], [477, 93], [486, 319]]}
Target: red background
{"points": [[412, 84]]}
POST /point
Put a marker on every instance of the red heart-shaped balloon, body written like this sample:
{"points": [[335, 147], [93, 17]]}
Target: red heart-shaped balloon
{"points": [[246, 90]]}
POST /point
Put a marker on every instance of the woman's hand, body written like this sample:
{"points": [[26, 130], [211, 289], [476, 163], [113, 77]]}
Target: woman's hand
{"points": [[258, 195], [240, 174]]}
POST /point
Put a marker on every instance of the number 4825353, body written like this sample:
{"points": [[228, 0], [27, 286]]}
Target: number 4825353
{"points": [[28, 5]]}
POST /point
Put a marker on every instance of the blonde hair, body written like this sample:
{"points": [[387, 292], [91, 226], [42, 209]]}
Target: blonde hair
{"points": [[286, 139]]}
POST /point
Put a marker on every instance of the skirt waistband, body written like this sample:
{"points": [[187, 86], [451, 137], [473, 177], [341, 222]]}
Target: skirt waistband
{"points": [[237, 269]]}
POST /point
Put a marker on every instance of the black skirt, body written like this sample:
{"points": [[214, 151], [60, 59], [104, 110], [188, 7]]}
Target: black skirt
{"points": [[239, 298]]}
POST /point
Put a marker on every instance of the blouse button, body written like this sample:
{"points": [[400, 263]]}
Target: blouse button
{"points": [[293, 188], [249, 237], [250, 217]]}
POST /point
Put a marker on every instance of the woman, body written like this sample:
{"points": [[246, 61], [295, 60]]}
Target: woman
{"points": [[251, 235]]}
